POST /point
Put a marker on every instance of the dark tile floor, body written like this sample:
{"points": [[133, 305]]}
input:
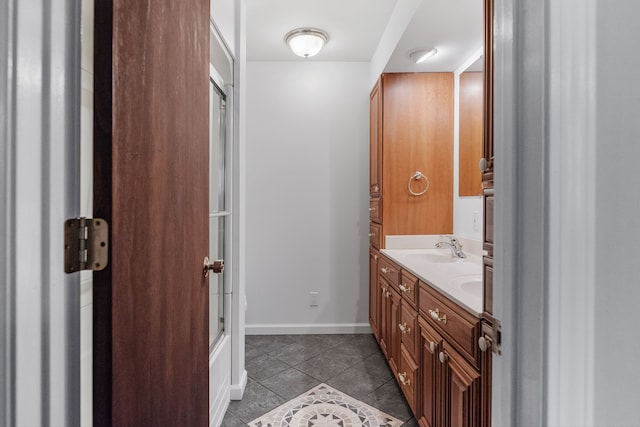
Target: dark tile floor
{"points": [[281, 367]]}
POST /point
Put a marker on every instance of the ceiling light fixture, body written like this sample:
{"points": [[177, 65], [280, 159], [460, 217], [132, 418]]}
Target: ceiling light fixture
{"points": [[422, 55], [306, 42]]}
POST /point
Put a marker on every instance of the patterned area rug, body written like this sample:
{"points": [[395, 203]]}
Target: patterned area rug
{"points": [[326, 407]]}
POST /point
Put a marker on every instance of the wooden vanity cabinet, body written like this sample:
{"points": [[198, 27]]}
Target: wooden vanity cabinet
{"points": [[410, 134], [431, 344]]}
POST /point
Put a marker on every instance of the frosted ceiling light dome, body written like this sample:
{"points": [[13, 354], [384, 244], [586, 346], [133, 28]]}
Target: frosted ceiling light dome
{"points": [[422, 55], [306, 42]]}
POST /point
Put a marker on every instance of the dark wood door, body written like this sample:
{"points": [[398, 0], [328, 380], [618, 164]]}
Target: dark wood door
{"points": [[151, 184]]}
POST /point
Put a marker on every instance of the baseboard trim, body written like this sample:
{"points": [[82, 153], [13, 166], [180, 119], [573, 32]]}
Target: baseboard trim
{"points": [[303, 329], [237, 390]]}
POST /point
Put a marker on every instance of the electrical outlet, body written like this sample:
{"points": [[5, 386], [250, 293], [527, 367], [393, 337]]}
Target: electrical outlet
{"points": [[313, 299], [476, 221]]}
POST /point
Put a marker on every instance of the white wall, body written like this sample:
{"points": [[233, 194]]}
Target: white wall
{"points": [[617, 293], [307, 158]]}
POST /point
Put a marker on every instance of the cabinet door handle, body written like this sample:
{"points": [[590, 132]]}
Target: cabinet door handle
{"points": [[403, 379], [484, 343], [432, 347], [404, 288], [435, 315], [482, 164], [443, 357], [372, 234], [403, 328], [385, 270], [372, 209], [375, 257], [376, 188]]}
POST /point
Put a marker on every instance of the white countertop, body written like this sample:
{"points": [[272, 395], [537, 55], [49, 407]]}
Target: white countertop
{"points": [[458, 278]]}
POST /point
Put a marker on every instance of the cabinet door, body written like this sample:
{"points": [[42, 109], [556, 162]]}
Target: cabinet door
{"points": [[429, 377], [393, 345], [462, 389], [375, 141], [384, 315], [374, 292]]}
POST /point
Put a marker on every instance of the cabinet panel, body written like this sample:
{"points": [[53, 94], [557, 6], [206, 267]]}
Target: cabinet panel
{"points": [[409, 289], [408, 328], [430, 376], [374, 293], [487, 263], [417, 137], [393, 344], [488, 220], [375, 210], [390, 271], [462, 389], [408, 377], [375, 141], [375, 235], [385, 315]]}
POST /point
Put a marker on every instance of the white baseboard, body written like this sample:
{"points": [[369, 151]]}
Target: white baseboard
{"points": [[304, 329], [237, 390]]}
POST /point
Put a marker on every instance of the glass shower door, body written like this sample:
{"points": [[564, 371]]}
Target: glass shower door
{"points": [[217, 212]]}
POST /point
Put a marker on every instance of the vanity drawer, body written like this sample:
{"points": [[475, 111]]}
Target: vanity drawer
{"points": [[462, 327], [389, 271], [375, 235], [408, 330], [409, 288], [407, 376], [375, 210]]}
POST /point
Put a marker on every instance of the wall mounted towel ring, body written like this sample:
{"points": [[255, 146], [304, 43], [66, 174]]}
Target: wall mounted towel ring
{"points": [[418, 176]]}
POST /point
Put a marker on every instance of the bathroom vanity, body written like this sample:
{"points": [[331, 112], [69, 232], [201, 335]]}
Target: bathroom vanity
{"points": [[427, 315]]}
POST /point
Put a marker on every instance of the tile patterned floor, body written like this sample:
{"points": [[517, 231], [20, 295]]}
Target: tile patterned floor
{"points": [[281, 367]]}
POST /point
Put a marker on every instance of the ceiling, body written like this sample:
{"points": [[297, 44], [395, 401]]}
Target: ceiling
{"points": [[356, 26]]}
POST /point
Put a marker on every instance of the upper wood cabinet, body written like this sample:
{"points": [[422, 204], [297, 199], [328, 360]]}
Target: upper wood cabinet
{"points": [[412, 148], [375, 141]]}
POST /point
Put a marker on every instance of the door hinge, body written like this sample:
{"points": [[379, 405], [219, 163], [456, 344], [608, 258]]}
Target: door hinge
{"points": [[496, 337], [86, 244]]}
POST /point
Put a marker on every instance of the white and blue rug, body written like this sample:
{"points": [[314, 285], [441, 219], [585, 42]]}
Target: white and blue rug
{"points": [[323, 406]]}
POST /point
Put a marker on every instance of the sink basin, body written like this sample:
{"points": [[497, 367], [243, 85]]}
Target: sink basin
{"points": [[471, 284]]}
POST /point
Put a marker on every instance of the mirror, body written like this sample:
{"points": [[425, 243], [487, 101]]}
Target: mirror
{"points": [[456, 29], [470, 129]]}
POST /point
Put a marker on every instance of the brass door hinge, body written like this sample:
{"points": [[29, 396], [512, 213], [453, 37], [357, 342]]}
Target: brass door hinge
{"points": [[86, 244]]}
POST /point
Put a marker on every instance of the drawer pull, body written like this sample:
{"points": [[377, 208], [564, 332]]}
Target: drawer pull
{"points": [[385, 270], [404, 328], [375, 257], [404, 288], [403, 379], [443, 357], [372, 234], [435, 315], [372, 209], [484, 344], [384, 292], [432, 347], [376, 188]]}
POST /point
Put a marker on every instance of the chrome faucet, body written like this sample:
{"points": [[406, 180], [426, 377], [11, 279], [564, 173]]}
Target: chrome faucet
{"points": [[454, 245]]}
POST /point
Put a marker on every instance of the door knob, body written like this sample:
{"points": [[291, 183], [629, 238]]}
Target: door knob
{"points": [[216, 266]]}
